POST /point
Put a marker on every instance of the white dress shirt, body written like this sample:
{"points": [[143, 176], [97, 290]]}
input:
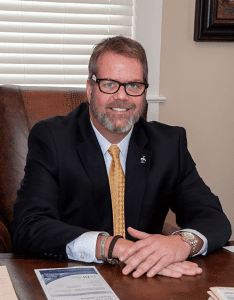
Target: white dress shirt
{"points": [[83, 248]]}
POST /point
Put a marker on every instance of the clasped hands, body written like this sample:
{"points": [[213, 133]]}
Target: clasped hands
{"points": [[155, 254]]}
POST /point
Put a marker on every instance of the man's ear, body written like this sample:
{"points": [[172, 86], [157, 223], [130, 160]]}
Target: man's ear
{"points": [[88, 90]]}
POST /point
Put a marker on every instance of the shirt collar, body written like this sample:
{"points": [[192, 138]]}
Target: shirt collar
{"points": [[105, 144]]}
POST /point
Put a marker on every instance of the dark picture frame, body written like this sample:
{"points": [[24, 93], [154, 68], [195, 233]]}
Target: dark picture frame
{"points": [[214, 21]]}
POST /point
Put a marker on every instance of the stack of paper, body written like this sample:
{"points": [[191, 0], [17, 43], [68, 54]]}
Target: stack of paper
{"points": [[74, 283], [229, 248], [6, 288], [221, 293]]}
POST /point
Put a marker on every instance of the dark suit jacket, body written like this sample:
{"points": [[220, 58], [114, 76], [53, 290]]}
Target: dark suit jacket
{"points": [[65, 191]]}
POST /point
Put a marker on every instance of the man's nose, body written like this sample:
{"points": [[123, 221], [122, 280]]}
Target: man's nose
{"points": [[121, 94]]}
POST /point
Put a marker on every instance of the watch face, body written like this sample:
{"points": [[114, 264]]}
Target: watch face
{"points": [[189, 235]]}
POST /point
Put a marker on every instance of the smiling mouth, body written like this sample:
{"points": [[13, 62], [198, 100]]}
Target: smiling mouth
{"points": [[119, 109]]}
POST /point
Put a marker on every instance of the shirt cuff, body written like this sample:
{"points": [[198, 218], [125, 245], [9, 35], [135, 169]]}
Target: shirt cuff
{"points": [[83, 248], [204, 248]]}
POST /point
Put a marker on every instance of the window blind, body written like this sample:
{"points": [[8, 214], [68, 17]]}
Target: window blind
{"points": [[50, 42]]}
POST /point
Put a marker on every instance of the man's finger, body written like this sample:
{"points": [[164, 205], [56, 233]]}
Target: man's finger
{"points": [[144, 259], [152, 266], [135, 248], [169, 273], [184, 269], [138, 234]]}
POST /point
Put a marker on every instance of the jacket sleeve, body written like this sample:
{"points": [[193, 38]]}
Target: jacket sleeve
{"points": [[37, 226], [195, 206]]}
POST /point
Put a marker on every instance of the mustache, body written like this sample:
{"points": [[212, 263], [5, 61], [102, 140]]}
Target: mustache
{"points": [[121, 104]]}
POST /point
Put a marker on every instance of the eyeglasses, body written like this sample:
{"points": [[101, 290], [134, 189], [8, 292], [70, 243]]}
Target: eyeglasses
{"points": [[109, 86]]}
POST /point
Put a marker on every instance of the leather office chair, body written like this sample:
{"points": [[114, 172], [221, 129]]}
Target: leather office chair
{"points": [[20, 109]]}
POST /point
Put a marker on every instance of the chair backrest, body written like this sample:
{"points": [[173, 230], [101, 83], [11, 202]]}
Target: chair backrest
{"points": [[20, 108]]}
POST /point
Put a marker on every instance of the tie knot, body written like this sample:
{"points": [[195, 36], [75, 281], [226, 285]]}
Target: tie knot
{"points": [[114, 150]]}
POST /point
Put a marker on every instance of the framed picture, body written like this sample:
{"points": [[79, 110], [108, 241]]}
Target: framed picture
{"points": [[214, 21]]}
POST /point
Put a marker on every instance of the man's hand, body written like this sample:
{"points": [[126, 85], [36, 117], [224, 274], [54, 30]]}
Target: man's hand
{"points": [[176, 270], [157, 254]]}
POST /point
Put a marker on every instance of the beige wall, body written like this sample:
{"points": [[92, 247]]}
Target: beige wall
{"points": [[198, 82]]}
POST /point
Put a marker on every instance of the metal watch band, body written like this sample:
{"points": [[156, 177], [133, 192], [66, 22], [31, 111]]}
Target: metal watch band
{"points": [[102, 246], [192, 242]]}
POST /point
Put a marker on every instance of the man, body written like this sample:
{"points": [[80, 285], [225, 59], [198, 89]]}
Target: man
{"points": [[68, 208]]}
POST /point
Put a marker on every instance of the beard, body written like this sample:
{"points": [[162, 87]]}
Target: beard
{"points": [[107, 121]]}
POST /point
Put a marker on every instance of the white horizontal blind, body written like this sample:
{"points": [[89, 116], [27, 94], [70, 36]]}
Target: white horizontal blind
{"points": [[50, 42]]}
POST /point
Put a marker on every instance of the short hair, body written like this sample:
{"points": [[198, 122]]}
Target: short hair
{"points": [[119, 45]]}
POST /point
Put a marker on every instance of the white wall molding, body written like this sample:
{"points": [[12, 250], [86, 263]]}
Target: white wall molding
{"points": [[153, 107], [155, 99], [148, 25]]}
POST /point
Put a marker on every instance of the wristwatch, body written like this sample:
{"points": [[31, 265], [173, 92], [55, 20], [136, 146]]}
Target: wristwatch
{"points": [[189, 238]]}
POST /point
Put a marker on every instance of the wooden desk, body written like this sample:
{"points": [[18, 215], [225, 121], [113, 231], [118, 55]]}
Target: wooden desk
{"points": [[218, 270]]}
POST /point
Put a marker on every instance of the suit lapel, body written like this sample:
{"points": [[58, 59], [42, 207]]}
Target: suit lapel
{"points": [[137, 170], [93, 161]]}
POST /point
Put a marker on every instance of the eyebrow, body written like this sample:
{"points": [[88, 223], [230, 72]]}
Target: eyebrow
{"points": [[136, 80]]}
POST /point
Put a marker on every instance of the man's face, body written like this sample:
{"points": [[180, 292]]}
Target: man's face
{"points": [[116, 112]]}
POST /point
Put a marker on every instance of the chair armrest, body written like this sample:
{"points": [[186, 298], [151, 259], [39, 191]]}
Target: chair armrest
{"points": [[5, 239]]}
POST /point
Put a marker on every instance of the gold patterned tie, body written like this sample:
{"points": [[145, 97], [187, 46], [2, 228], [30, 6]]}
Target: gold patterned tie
{"points": [[117, 185]]}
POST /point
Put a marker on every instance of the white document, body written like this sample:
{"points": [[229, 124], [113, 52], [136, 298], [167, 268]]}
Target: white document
{"points": [[229, 248], [7, 291], [77, 283], [221, 293]]}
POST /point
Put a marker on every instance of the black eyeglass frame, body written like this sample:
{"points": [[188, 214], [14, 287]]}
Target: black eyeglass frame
{"points": [[97, 80]]}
